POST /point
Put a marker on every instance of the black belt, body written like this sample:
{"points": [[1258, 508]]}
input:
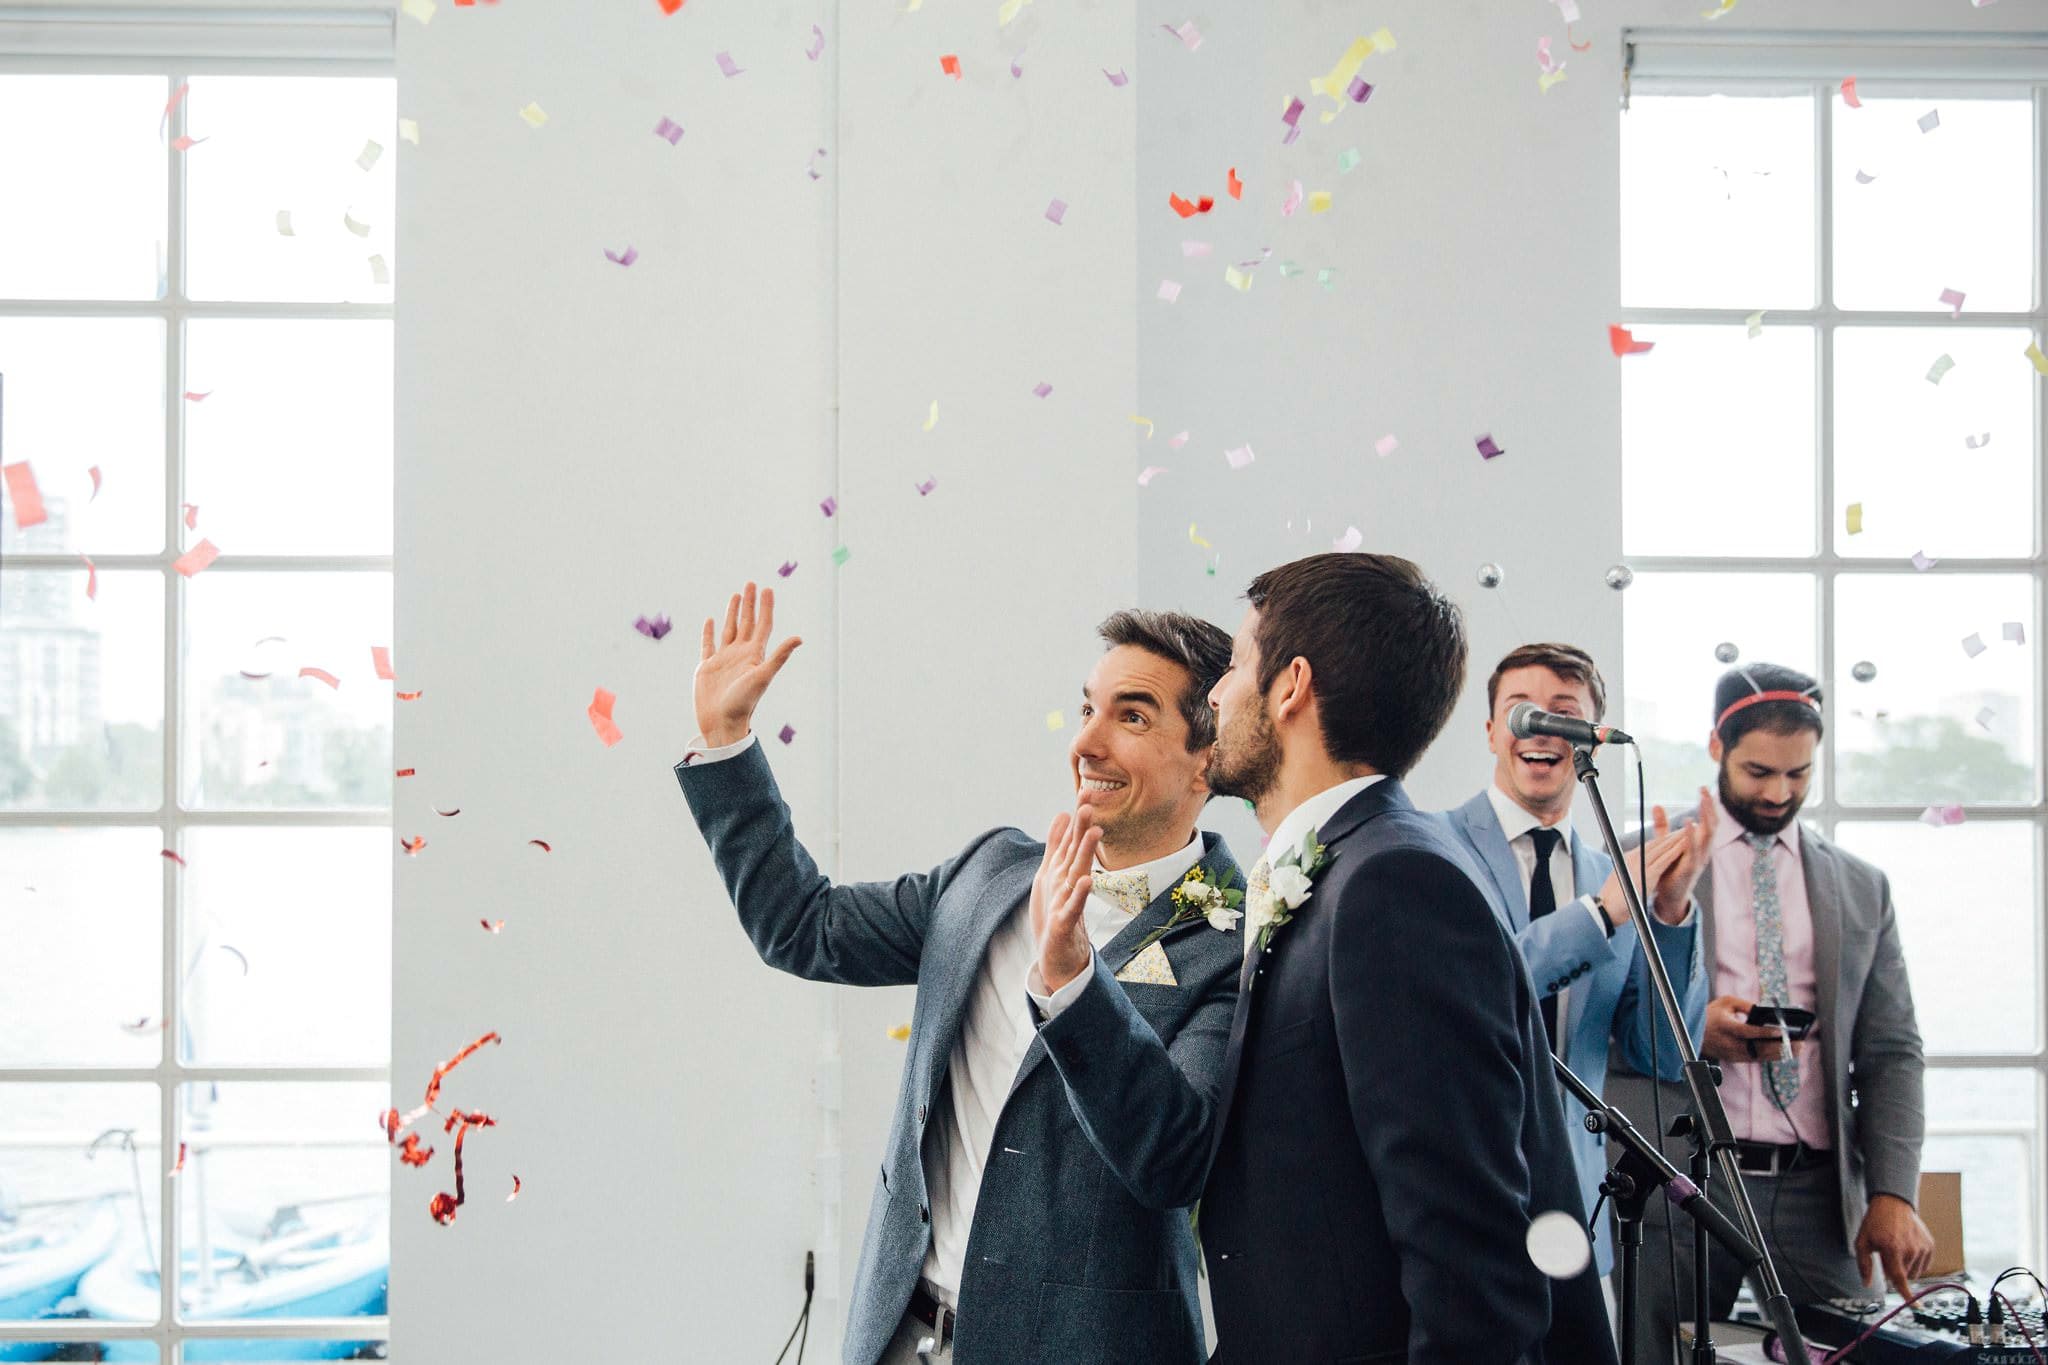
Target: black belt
{"points": [[1773, 1158], [933, 1314]]}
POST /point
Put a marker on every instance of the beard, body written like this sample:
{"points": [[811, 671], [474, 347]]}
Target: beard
{"points": [[1749, 817], [1246, 763]]}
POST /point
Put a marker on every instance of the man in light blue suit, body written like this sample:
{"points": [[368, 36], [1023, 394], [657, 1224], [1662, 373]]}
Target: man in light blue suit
{"points": [[1565, 905]]}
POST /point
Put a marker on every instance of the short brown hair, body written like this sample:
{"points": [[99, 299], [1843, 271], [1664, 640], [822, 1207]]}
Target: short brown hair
{"points": [[1197, 646], [1567, 661], [1386, 650]]}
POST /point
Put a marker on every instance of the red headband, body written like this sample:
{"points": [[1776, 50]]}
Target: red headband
{"points": [[1753, 698]]}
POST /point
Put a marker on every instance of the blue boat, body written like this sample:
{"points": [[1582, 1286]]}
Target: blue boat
{"points": [[43, 1253]]}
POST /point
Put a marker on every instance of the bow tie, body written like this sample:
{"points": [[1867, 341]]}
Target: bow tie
{"points": [[1129, 892]]}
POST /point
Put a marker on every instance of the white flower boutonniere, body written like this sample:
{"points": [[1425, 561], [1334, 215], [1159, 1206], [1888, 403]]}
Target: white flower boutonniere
{"points": [[1288, 881], [1199, 898]]}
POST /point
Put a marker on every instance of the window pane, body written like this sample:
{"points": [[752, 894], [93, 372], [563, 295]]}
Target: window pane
{"points": [[282, 740], [2001, 1189], [1717, 439], [290, 144], [1950, 208], [1902, 444], [81, 691], [292, 452], [80, 393], [286, 1192], [1671, 626], [1934, 726], [75, 897], [279, 1352], [71, 1350], [76, 1201], [1957, 890], [1717, 202], [85, 173], [289, 935]]}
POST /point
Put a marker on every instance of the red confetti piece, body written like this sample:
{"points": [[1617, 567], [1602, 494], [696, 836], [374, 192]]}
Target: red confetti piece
{"points": [[443, 1206], [669, 6], [144, 1024], [496, 926], [1187, 209], [177, 98], [950, 64], [1586, 46], [394, 1122], [412, 1154], [1623, 342], [323, 675], [196, 559], [409, 696], [407, 772], [542, 844], [26, 497], [439, 811], [179, 1168], [412, 847], [1849, 94], [380, 659], [515, 1190], [173, 856], [1234, 185]]}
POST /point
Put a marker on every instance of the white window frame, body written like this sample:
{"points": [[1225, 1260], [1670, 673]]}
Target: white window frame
{"points": [[1696, 62], [178, 44]]}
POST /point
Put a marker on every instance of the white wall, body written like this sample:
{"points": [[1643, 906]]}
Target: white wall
{"points": [[580, 444]]}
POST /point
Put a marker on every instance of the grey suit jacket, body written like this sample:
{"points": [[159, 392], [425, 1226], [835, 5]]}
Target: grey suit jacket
{"points": [[1081, 1249], [1869, 1039]]}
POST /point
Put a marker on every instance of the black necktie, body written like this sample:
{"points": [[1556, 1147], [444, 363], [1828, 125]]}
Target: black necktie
{"points": [[1543, 900]]}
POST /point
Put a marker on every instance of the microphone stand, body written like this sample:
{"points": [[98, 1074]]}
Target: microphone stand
{"points": [[1712, 1136]]}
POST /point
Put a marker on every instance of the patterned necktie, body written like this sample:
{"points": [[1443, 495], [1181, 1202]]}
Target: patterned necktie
{"points": [[1129, 892], [1542, 901], [1257, 885], [1770, 954]]}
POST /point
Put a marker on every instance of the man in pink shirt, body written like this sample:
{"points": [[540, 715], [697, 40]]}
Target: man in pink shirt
{"points": [[1828, 1137]]}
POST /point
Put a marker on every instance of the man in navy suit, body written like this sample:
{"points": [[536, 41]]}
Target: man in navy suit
{"points": [[1391, 1127], [1025, 1211], [1565, 905]]}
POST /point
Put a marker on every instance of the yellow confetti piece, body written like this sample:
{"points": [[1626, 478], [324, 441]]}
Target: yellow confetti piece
{"points": [[409, 129], [1383, 38], [534, 115], [1237, 279], [1340, 75], [901, 1033], [1145, 422], [932, 420], [1197, 539], [1008, 11], [2040, 361], [1726, 5], [1548, 79], [1319, 201], [380, 273], [1756, 323], [1055, 720], [1855, 518], [422, 10], [359, 229], [284, 223]]}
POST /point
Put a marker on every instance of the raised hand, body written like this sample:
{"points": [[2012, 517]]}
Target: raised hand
{"points": [[736, 668], [1059, 897]]}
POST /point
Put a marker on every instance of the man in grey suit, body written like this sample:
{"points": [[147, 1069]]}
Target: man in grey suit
{"points": [[1565, 905], [1023, 1212], [1828, 1137]]}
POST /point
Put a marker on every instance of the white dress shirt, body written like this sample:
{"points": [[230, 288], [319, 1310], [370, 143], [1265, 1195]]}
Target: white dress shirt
{"points": [[1518, 824], [1313, 813]]}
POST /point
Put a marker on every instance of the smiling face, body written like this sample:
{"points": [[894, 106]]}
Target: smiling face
{"points": [[1765, 777], [1536, 773], [1130, 760], [1247, 761]]}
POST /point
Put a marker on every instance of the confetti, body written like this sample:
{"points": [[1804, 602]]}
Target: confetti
{"points": [[1550, 78], [1756, 323], [515, 1190], [1178, 441], [670, 129], [412, 1153], [422, 10], [1017, 66], [786, 733], [840, 556], [667, 6], [185, 144], [443, 1206], [1349, 541], [1922, 561], [191, 515], [412, 847], [1855, 518], [727, 65], [178, 1167], [284, 223], [1344, 71], [600, 713], [931, 419], [1194, 539], [1190, 36], [1930, 120], [1568, 10], [92, 580], [1292, 201], [1008, 11], [1973, 645], [1985, 715], [1237, 279], [367, 158], [1938, 816], [1864, 177], [492, 926], [409, 129], [950, 64], [2033, 353], [654, 629], [1544, 60], [379, 272], [1940, 367], [359, 229], [811, 166], [1348, 161], [321, 675], [831, 505], [174, 857], [1386, 445], [1145, 422], [817, 47], [901, 1033], [1232, 185], [1056, 212], [407, 772], [1319, 201], [2015, 632], [95, 473], [1577, 46], [534, 115], [1383, 40], [1169, 290], [177, 98], [1954, 299], [380, 660], [448, 814], [1725, 6], [788, 568], [1041, 388], [1977, 442], [1116, 78], [1055, 720], [1240, 456], [542, 844], [1622, 342], [408, 696], [1488, 449], [26, 497], [1359, 91], [630, 255], [196, 559], [1146, 474], [924, 489], [1849, 94], [1187, 208]]}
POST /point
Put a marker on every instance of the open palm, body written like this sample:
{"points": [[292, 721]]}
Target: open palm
{"points": [[736, 667]]}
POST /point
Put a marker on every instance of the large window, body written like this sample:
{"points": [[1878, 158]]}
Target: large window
{"points": [[196, 291], [1832, 459]]}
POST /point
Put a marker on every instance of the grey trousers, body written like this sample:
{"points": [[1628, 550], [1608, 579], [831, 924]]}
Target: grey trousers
{"points": [[1801, 1216], [902, 1348]]}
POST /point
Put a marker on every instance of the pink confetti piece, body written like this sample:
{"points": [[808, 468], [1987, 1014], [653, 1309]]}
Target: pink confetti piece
{"points": [[1954, 299], [1973, 644], [1169, 290], [1117, 78], [924, 489], [2014, 632], [1178, 441], [1056, 211], [1240, 456], [1190, 250], [817, 47], [1939, 816], [1849, 93], [1349, 541], [600, 713], [653, 629], [321, 675], [191, 515], [1145, 475], [92, 580], [175, 857], [177, 98], [26, 497], [1544, 60], [1488, 447], [1922, 562], [196, 559], [1292, 118], [1041, 388], [670, 129], [380, 660], [786, 733], [727, 65], [788, 568], [829, 506], [95, 473], [192, 397], [185, 144], [630, 255], [1017, 66], [1190, 36], [1293, 200], [1358, 90], [1386, 445]]}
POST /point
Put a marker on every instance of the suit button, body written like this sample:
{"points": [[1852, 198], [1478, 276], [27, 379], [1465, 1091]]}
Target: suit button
{"points": [[924, 1215], [920, 1116]]}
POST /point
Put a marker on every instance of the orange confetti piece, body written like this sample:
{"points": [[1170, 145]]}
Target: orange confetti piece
{"points": [[443, 1206], [1849, 94], [196, 559], [177, 1169], [950, 64], [412, 1153], [407, 772], [600, 713], [1234, 185], [26, 497], [380, 659], [1577, 46], [1623, 342], [185, 143], [412, 847], [323, 675], [408, 696], [1188, 209], [493, 926], [669, 6]]}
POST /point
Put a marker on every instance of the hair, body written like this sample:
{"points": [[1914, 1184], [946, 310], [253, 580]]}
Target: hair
{"points": [[1385, 649], [1777, 717], [1201, 649], [1567, 661]]}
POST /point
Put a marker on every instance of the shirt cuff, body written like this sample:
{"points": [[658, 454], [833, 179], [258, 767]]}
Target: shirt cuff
{"points": [[1592, 904], [700, 752], [1051, 1005]]}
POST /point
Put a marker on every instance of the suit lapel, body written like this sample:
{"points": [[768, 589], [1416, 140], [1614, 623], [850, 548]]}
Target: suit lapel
{"points": [[999, 899], [1824, 902], [1483, 829]]}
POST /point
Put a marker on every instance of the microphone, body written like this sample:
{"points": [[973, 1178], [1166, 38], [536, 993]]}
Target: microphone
{"points": [[1528, 720]]}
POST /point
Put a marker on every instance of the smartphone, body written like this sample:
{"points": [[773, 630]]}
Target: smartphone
{"points": [[1796, 1022]]}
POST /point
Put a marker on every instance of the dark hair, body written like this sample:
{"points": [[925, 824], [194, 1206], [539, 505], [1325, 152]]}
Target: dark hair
{"points": [[1567, 661], [1777, 717], [1385, 648], [1200, 648]]}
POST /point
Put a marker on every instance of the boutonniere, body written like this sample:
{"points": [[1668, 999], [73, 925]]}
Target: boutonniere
{"points": [[1199, 898], [1287, 886]]}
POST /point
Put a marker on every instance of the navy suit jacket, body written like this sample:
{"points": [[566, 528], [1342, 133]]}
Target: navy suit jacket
{"points": [[1081, 1248], [1391, 1125]]}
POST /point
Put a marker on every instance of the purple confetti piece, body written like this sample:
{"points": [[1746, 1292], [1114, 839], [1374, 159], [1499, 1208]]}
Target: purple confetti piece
{"points": [[1017, 65], [1386, 445], [1117, 78], [1930, 120], [1359, 91], [1922, 562], [829, 506], [653, 629], [1288, 206], [1488, 448], [1240, 456], [811, 166], [1041, 388], [2014, 632], [1169, 291], [1973, 644], [1190, 36], [1190, 250], [1292, 133], [1864, 177], [1942, 815], [786, 733], [817, 47], [727, 65], [631, 255], [924, 490], [1056, 211], [669, 129], [788, 568], [1954, 299], [1293, 114]]}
